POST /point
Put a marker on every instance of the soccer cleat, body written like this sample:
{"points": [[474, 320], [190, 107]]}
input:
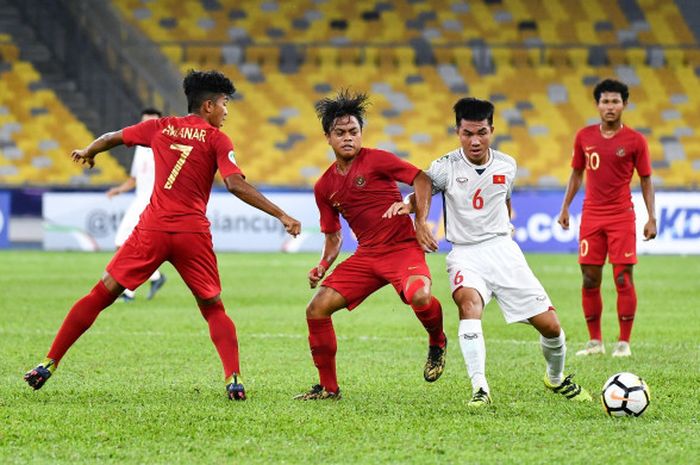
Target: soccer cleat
{"points": [[592, 347], [479, 399], [622, 349], [127, 298], [155, 286], [568, 389], [235, 390], [39, 375], [318, 392], [435, 364]]}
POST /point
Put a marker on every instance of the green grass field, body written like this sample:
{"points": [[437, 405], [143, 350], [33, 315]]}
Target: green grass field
{"points": [[144, 384]]}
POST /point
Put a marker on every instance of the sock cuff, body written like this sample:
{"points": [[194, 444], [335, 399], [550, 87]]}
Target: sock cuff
{"points": [[590, 291], [470, 326], [320, 324], [554, 342]]}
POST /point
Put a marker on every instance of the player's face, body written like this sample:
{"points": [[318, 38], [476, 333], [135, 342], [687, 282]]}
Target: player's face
{"points": [[475, 137], [217, 111], [345, 137], [610, 107]]}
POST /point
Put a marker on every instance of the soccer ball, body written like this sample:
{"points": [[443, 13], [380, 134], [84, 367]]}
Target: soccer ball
{"points": [[624, 395]]}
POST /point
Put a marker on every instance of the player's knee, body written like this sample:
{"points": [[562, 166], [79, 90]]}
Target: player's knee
{"points": [[590, 281], [623, 277], [315, 309], [421, 298]]}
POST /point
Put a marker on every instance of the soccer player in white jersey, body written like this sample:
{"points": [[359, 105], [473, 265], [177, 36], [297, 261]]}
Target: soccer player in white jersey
{"points": [[142, 176], [476, 182]]}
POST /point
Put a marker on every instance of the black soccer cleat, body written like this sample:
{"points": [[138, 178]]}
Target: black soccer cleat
{"points": [[318, 392], [155, 286], [435, 364], [235, 390], [36, 377]]}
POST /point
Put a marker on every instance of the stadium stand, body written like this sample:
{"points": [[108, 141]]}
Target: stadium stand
{"points": [[38, 132]]}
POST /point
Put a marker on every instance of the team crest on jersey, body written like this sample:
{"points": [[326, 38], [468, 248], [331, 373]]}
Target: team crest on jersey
{"points": [[499, 178], [232, 157], [360, 181], [620, 152]]}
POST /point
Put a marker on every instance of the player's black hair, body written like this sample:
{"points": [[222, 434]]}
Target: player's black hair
{"points": [[201, 86], [611, 85], [344, 104], [151, 111], [473, 109]]}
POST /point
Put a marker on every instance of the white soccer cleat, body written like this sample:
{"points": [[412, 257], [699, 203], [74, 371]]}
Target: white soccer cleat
{"points": [[622, 349], [593, 347]]}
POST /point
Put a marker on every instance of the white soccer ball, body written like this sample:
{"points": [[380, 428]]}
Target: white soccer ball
{"points": [[624, 395]]}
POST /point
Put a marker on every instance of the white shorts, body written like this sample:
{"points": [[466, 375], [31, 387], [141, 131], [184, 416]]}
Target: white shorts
{"points": [[129, 222], [498, 268]]}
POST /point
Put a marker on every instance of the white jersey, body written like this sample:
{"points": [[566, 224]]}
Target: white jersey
{"points": [[474, 195], [143, 169]]}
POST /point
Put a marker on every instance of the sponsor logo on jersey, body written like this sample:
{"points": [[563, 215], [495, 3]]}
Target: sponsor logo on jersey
{"points": [[462, 180], [360, 181], [589, 148], [232, 157], [620, 152], [499, 178]]}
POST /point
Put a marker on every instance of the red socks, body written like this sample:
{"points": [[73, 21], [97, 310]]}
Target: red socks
{"points": [[592, 310], [323, 348], [223, 334], [79, 319], [431, 317], [626, 304]]}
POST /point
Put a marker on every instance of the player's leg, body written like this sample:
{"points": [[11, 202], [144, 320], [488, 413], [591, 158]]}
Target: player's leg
{"points": [[593, 249], [323, 343], [192, 255], [127, 268], [427, 308], [126, 227], [626, 308], [157, 281]]}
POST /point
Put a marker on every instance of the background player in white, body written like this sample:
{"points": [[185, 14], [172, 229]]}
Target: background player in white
{"points": [[141, 177], [476, 182]]}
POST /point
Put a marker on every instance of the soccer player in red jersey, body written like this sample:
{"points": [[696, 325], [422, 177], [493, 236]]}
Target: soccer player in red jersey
{"points": [[361, 185], [188, 151], [609, 153]]}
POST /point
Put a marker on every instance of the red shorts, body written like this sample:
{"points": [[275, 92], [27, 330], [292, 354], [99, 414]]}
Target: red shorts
{"points": [[612, 235], [362, 274], [192, 255]]}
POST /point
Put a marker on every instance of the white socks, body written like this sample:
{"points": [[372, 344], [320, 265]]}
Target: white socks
{"points": [[471, 341], [155, 276], [554, 351]]}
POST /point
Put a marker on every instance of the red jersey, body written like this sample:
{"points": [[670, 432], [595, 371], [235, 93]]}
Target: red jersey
{"points": [[187, 152], [609, 165], [362, 195]]}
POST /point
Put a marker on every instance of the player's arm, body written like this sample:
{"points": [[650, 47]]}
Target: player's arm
{"points": [[423, 187], [648, 195], [331, 249], [574, 184], [239, 187], [126, 186], [103, 143]]}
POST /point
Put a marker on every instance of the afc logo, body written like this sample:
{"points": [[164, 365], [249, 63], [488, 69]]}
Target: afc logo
{"points": [[360, 181]]}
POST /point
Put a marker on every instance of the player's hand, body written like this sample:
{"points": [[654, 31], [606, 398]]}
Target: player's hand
{"points": [[424, 235], [112, 192], [315, 275], [650, 230], [292, 226], [563, 219], [83, 157], [397, 208]]}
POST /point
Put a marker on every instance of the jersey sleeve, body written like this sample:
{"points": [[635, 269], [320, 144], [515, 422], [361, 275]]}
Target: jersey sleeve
{"points": [[330, 219], [225, 156], [578, 158], [643, 160], [394, 167], [438, 173], [141, 133]]}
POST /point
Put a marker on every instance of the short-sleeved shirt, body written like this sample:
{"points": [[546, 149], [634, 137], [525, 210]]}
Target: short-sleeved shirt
{"points": [[187, 153], [143, 171], [474, 195], [609, 165], [362, 195]]}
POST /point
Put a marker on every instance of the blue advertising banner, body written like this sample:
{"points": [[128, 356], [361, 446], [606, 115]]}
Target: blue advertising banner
{"points": [[4, 219]]}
